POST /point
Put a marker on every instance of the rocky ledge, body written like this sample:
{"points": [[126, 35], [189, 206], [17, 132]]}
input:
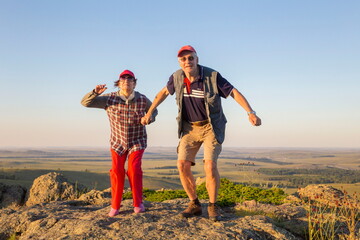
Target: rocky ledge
{"points": [[52, 210], [74, 220]]}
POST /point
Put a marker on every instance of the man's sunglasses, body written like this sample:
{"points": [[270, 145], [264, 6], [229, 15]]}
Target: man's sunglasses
{"points": [[183, 59]]}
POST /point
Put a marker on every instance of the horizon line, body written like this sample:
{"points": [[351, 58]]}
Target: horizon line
{"points": [[149, 147]]}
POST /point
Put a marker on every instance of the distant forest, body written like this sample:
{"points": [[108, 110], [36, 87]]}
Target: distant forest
{"points": [[304, 177]]}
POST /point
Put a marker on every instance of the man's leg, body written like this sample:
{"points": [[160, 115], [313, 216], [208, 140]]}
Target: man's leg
{"points": [[212, 179], [187, 149], [187, 178], [212, 150], [212, 186]]}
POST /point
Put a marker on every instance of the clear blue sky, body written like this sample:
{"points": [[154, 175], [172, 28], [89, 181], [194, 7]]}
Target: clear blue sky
{"points": [[297, 63]]}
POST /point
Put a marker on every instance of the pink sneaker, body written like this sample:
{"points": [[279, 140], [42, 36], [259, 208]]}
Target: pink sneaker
{"points": [[139, 209], [113, 212]]}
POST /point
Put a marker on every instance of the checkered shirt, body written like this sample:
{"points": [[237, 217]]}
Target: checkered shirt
{"points": [[127, 133]]}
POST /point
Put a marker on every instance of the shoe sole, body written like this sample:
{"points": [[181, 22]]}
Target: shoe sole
{"points": [[215, 219], [189, 215]]}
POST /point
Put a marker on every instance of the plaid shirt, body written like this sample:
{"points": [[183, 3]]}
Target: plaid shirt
{"points": [[127, 133]]}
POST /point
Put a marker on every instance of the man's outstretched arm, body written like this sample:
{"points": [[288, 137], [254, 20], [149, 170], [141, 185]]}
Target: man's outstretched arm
{"points": [[160, 97], [241, 100]]}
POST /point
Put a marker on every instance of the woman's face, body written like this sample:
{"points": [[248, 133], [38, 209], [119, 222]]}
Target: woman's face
{"points": [[127, 83]]}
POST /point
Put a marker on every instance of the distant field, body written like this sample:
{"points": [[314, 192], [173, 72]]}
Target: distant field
{"points": [[90, 166]]}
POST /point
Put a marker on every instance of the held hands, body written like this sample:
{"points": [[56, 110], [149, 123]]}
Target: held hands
{"points": [[145, 120], [99, 89], [254, 120]]}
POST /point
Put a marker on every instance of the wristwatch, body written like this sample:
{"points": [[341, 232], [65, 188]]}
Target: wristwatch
{"points": [[252, 112]]}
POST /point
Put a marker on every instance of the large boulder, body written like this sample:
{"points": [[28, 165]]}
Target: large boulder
{"points": [[95, 197], [53, 187], [321, 193], [291, 216], [11, 195]]}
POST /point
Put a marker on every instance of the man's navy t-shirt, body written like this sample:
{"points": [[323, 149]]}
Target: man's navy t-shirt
{"points": [[193, 102]]}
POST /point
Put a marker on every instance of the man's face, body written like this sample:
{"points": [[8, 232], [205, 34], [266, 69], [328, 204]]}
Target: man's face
{"points": [[188, 62]]}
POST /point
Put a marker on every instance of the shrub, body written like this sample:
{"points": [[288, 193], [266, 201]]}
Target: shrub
{"points": [[229, 194]]}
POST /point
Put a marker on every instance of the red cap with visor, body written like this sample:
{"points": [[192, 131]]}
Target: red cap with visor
{"points": [[186, 48], [127, 72]]}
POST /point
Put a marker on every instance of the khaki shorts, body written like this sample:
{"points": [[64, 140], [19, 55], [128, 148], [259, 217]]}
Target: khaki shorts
{"points": [[192, 139]]}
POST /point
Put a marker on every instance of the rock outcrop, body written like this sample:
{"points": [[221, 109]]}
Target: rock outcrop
{"points": [[321, 193], [11, 195], [291, 217], [53, 211], [162, 220], [52, 187], [95, 197]]}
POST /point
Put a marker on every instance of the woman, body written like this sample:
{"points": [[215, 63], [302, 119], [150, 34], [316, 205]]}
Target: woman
{"points": [[128, 139]]}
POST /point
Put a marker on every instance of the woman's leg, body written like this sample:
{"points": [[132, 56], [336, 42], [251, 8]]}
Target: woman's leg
{"points": [[117, 178], [135, 175]]}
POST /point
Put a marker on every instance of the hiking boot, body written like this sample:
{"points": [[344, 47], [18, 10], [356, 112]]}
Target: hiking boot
{"points": [[214, 212], [193, 209]]}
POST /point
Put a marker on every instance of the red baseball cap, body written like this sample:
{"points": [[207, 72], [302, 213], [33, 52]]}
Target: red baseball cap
{"points": [[186, 48], [127, 72]]}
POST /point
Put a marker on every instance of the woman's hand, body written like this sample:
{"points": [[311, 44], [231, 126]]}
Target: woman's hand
{"points": [[99, 89]]}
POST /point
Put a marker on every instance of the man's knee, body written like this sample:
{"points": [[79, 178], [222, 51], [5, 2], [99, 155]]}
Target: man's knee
{"points": [[210, 167], [183, 165]]}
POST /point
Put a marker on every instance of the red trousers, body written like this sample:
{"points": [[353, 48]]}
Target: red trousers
{"points": [[134, 173]]}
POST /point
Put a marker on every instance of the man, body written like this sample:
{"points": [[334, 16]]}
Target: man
{"points": [[128, 139], [200, 121]]}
